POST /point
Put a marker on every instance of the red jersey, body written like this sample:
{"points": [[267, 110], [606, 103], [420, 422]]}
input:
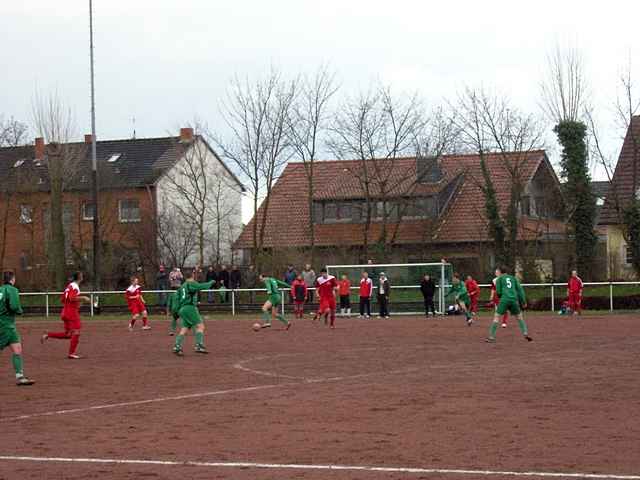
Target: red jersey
{"points": [[366, 287], [472, 288], [299, 290], [133, 294], [70, 302], [344, 287], [326, 286], [575, 285]]}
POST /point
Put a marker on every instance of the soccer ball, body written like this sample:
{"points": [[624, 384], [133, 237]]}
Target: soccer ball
{"points": [[256, 327]]}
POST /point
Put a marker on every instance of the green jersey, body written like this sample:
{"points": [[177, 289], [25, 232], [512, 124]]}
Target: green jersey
{"points": [[187, 294], [508, 288], [459, 290], [172, 303], [9, 304], [272, 285]]}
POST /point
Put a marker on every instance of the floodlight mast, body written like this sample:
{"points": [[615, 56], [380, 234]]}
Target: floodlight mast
{"points": [[94, 163]]}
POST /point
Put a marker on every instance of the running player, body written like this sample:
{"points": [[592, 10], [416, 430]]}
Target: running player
{"points": [[137, 305], [326, 286], [70, 315], [473, 289], [574, 293], [461, 297], [512, 299], [270, 307], [495, 301], [9, 336], [190, 319]]}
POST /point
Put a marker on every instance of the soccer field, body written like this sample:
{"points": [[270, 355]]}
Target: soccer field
{"points": [[372, 399]]}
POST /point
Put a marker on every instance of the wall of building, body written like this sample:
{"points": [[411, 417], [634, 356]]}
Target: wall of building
{"points": [[223, 214], [617, 266]]}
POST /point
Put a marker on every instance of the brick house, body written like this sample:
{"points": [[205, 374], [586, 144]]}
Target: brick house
{"points": [[436, 210], [625, 184], [134, 187]]}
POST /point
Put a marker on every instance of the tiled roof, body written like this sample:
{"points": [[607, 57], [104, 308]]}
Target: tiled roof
{"points": [[621, 189], [141, 162], [463, 221]]}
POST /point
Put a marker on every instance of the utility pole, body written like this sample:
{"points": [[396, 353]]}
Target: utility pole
{"points": [[94, 164]]}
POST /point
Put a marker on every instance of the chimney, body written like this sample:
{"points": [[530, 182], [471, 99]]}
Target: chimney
{"points": [[39, 148], [186, 134], [88, 139]]}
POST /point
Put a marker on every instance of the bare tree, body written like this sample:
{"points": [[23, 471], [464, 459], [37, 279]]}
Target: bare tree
{"points": [[56, 124], [489, 125], [306, 128], [177, 238], [13, 133], [258, 145]]}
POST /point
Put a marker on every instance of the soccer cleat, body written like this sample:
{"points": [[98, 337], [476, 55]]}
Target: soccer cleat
{"points": [[200, 349], [469, 321], [171, 334], [23, 381], [490, 340], [74, 356], [44, 338], [528, 338], [178, 352], [147, 327], [265, 325], [130, 328], [504, 325]]}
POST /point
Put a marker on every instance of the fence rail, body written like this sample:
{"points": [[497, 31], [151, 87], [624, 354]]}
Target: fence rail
{"points": [[405, 299]]}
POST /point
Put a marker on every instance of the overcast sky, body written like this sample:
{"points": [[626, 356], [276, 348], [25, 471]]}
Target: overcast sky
{"points": [[166, 62]]}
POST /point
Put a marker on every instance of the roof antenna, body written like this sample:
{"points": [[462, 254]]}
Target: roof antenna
{"points": [[133, 121]]}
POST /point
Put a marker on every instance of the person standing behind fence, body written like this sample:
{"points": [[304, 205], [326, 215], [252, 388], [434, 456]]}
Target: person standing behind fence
{"points": [[211, 276], [366, 290], [309, 277], [251, 281], [162, 283], [223, 283], [235, 278], [428, 289], [574, 293], [384, 289], [175, 278], [299, 293], [344, 290], [289, 276]]}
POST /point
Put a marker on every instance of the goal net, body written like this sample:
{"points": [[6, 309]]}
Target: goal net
{"points": [[404, 278]]}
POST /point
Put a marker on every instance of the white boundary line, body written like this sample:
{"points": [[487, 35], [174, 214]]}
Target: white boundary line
{"points": [[350, 468]]}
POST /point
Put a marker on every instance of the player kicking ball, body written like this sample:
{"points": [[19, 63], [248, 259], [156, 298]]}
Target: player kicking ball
{"points": [[326, 286], [462, 298], [9, 336], [270, 307], [189, 314], [137, 305], [512, 299]]}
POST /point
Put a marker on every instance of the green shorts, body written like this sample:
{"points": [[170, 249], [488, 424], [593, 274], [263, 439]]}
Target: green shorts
{"points": [[510, 306], [464, 299], [190, 316], [8, 336], [275, 300]]}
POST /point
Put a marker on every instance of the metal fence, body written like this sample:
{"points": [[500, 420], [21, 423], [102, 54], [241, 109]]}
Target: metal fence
{"points": [[404, 300]]}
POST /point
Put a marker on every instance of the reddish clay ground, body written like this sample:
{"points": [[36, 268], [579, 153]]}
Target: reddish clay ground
{"points": [[405, 392]]}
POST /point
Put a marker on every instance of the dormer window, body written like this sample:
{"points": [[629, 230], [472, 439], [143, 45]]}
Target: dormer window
{"points": [[114, 158], [18, 163]]}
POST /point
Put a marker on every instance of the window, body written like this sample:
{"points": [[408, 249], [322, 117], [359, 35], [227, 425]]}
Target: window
{"points": [[114, 158], [26, 213], [628, 257], [88, 210], [330, 211], [128, 211], [525, 206], [18, 163], [24, 262], [317, 212], [344, 211]]}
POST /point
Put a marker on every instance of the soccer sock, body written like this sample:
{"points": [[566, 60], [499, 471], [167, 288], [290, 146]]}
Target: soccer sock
{"points": [[504, 318], [333, 318], [199, 339], [132, 322], [73, 345], [179, 341], [282, 319], [493, 329], [174, 324], [145, 321], [59, 335], [523, 326], [266, 318], [16, 360]]}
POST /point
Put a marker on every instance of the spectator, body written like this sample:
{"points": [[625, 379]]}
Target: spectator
{"points": [[211, 277], [289, 276], [299, 293], [384, 289], [366, 289], [235, 278], [223, 283], [473, 289], [250, 281], [175, 278], [428, 289], [162, 283], [309, 277], [344, 290]]}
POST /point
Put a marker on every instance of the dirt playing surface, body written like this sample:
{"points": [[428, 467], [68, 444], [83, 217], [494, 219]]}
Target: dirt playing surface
{"points": [[405, 392]]}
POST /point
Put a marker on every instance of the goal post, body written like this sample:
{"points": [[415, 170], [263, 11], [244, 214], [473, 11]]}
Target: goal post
{"points": [[405, 279]]}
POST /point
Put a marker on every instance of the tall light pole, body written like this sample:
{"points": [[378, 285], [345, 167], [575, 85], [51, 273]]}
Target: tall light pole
{"points": [[94, 164]]}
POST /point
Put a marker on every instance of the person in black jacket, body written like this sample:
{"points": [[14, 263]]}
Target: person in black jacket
{"points": [[211, 276], [383, 291], [235, 278], [224, 282], [428, 289]]}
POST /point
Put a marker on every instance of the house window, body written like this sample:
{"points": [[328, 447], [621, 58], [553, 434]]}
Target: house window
{"points": [[525, 206], [88, 211], [628, 257], [24, 262], [345, 211], [26, 213], [128, 211], [317, 212], [330, 211]]}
